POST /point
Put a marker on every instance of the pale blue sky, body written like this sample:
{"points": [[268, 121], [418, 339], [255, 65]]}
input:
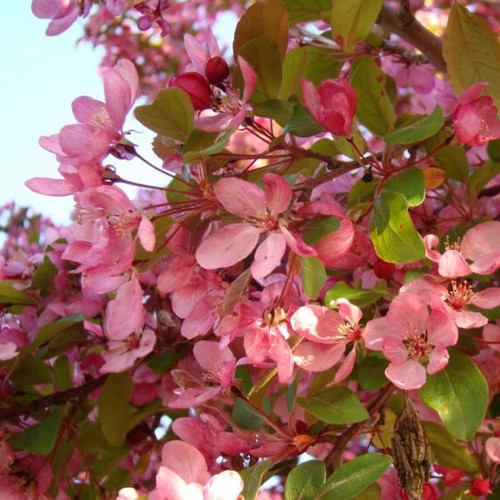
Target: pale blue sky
{"points": [[40, 78]]}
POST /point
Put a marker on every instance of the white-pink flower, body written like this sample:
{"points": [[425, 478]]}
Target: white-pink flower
{"points": [[327, 333], [261, 210], [184, 475], [480, 245], [409, 336]]}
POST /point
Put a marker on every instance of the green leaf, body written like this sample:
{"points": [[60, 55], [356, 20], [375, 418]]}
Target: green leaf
{"points": [[409, 183], [373, 492], [279, 110], [31, 371], [459, 393], [171, 114], [447, 451], [319, 227], [302, 124], [371, 372], [245, 416], [39, 438], [210, 148], [44, 274], [62, 373], [263, 55], [359, 297], [418, 129], [307, 10], [253, 477], [354, 477], [113, 407], [482, 176], [453, 160], [392, 232], [9, 295], [472, 52], [304, 481], [268, 18], [493, 149], [335, 406], [49, 332], [313, 275], [352, 20], [375, 109]]}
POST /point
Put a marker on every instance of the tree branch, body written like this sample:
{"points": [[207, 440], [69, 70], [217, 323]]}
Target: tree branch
{"points": [[404, 24], [332, 461], [58, 398]]}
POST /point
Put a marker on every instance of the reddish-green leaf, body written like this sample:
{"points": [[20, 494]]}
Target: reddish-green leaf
{"points": [[472, 52], [171, 114], [352, 20]]}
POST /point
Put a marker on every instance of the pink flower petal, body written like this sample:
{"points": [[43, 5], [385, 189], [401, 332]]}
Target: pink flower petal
{"points": [[453, 265], [268, 255], [346, 367], [240, 197], [316, 357], [492, 448], [126, 304], [227, 246], [278, 193], [408, 314], [224, 486], [407, 376], [394, 349], [438, 359], [375, 332], [146, 233], [491, 333], [49, 187], [186, 461], [441, 329]]}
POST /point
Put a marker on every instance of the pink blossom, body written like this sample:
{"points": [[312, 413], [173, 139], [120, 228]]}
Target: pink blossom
{"points": [[63, 13], [200, 55], [327, 333], [261, 209], [99, 123], [456, 297], [120, 355], [333, 106], [232, 111], [492, 448], [475, 117], [480, 245], [408, 336], [184, 475]]}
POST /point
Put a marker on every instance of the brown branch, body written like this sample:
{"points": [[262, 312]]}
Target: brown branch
{"points": [[58, 398], [332, 461], [404, 24]]}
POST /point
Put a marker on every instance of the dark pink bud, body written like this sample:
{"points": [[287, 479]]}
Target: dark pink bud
{"points": [[196, 87], [216, 70], [480, 487], [333, 105]]}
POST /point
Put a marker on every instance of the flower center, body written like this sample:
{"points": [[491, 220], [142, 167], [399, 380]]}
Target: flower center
{"points": [[417, 346], [460, 294], [349, 331]]}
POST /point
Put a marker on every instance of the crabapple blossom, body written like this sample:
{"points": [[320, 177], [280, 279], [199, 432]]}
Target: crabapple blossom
{"points": [[408, 336], [474, 117], [333, 105]]}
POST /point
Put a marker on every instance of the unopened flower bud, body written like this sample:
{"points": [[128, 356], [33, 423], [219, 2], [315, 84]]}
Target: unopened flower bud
{"points": [[196, 87], [216, 70]]}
